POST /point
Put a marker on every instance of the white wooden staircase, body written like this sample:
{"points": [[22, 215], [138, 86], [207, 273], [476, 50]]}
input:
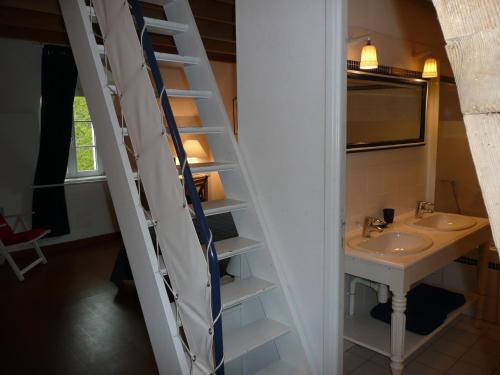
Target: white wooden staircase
{"points": [[260, 335]]}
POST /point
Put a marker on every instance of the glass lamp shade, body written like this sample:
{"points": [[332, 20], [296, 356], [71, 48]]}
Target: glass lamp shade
{"points": [[430, 68], [368, 57]]}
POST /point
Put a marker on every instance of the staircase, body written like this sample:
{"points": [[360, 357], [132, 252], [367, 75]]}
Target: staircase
{"points": [[258, 330]]}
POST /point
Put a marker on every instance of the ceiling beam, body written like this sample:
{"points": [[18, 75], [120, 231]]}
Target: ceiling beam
{"points": [[218, 31], [41, 21], [31, 19], [35, 35], [215, 11], [45, 6]]}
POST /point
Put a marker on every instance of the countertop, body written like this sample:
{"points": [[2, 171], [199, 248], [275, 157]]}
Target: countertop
{"points": [[441, 240]]}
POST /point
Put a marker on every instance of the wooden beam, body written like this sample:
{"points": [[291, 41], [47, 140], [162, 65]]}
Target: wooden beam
{"points": [[45, 6], [31, 19], [36, 35], [42, 22], [52, 7], [220, 50], [217, 31], [219, 46], [213, 10], [152, 10], [217, 56]]}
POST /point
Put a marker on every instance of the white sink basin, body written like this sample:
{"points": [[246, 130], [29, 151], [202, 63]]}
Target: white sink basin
{"points": [[392, 243], [444, 222]]}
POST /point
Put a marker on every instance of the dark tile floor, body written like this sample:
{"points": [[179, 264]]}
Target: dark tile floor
{"points": [[67, 318]]}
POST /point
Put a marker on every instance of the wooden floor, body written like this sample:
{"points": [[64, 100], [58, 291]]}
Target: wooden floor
{"points": [[68, 318]]}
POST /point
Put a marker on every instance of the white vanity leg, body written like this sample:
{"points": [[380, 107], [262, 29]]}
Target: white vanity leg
{"points": [[398, 326], [482, 278]]}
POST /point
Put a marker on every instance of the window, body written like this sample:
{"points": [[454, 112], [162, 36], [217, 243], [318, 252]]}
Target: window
{"points": [[83, 156]]}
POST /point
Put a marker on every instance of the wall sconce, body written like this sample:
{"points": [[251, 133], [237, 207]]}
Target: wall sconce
{"points": [[430, 68], [194, 151], [368, 56]]}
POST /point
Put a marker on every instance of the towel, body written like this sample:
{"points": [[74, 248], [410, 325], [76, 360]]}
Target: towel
{"points": [[427, 308]]}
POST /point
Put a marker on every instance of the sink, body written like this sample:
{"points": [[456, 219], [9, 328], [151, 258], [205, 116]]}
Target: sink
{"points": [[392, 243], [444, 222]]}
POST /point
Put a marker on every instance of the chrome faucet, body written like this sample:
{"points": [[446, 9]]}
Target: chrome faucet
{"points": [[423, 207], [373, 224]]}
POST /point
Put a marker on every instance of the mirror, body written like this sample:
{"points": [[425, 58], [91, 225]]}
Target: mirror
{"points": [[384, 111]]}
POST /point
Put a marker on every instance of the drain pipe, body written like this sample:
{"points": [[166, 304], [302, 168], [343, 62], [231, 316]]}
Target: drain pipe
{"points": [[381, 289]]}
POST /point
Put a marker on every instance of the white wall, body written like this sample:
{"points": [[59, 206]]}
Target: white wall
{"points": [[384, 179], [400, 29], [89, 207], [20, 69], [281, 105], [395, 178]]}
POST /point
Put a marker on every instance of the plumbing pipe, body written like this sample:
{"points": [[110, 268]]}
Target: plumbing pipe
{"points": [[383, 293], [381, 289]]}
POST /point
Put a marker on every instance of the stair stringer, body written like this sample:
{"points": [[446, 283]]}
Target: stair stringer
{"points": [[158, 314], [278, 304]]}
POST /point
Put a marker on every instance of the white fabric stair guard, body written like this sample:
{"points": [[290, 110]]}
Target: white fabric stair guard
{"points": [[180, 248]]}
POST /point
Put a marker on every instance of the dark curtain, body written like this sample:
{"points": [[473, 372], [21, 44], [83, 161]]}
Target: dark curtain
{"points": [[59, 76]]}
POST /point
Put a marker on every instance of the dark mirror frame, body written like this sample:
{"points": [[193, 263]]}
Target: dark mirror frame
{"points": [[420, 141]]}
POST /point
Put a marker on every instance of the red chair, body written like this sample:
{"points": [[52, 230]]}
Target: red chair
{"points": [[10, 240]]}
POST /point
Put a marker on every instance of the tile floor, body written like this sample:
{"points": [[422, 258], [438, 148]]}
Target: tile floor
{"points": [[461, 349]]}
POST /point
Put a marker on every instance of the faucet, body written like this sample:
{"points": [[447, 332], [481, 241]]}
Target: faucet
{"points": [[372, 224], [423, 207]]}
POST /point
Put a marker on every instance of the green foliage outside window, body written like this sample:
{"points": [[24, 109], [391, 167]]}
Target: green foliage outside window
{"points": [[84, 137], [80, 109]]}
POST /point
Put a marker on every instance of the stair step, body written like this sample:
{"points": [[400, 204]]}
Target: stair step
{"points": [[165, 57], [189, 94], [216, 207], [247, 338], [176, 93], [162, 27], [235, 246], [155, 25], [239, 290], [220, 206], [193, 130], [280, 368], [201, 130], [225, 249], [214, 166]]}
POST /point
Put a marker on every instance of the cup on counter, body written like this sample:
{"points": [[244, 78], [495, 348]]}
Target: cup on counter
{"points": [[388, 215]]}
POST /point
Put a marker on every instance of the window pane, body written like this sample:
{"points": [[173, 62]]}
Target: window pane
{"points": [[84, 134], [80, 109], [85, 159]]}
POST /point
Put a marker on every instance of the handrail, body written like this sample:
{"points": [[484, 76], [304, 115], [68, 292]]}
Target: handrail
{"points": [[206, 235]]}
